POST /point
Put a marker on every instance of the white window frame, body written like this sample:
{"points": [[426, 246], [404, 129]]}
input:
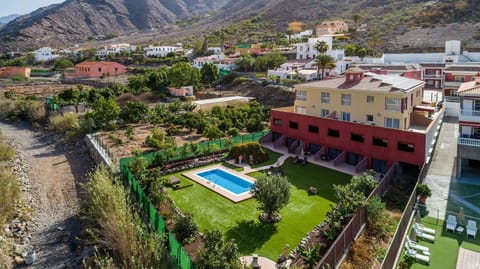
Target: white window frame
{"points": [[393, 104], [301, 96], [346, 99], [325, 112], [345, 116], [370, 99], [392, 123], [325, 97]]}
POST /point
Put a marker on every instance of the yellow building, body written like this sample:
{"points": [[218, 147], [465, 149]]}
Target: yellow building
{"points": [[332, 27], [386, 101]]}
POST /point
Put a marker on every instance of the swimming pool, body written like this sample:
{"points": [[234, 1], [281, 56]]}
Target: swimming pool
{"points": [[226, 180]]}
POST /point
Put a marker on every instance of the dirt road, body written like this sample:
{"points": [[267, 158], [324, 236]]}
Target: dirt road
{"points": [[54, 173]]}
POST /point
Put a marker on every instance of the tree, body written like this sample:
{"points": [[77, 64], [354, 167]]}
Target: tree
{"points": [[356, 18], [323, 62], [105, 111], [213, 132], [183, 74], [289, 33], [209, 73], [321, 47], [157, 80], [362, 52], [133, 112], [375, 42], [218, 254], [272, 193], [62, 64], [137, 84]]}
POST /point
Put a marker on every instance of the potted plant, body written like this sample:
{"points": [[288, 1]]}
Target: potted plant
{"points": [[423, 191]]}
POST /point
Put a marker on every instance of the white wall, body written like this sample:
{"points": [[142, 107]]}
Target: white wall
{"points": [[452, 109]]}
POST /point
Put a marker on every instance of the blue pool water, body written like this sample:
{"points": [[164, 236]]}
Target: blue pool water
{"points": [[226, 180]]}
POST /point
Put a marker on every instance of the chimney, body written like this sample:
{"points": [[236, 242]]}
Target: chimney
{"points": [[354, 75]]}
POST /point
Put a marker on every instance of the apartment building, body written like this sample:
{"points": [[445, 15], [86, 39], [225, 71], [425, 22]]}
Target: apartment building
{"points": [[332, 27], [468, 147], [364, 119]]}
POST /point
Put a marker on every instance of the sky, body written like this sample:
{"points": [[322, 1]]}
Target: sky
{"points": [[9, 7]]}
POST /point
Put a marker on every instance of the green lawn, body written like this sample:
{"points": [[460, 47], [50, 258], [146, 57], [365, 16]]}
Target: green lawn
{"points": [[444, 251], [272, 158], [240, 221]]}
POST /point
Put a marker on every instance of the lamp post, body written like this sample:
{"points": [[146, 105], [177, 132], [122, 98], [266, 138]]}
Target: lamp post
{"points": [[254, 263]]}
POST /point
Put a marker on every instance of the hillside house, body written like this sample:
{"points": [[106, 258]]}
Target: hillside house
{"points": [[10, 71], [45, 54], [96, 70], [185, 91], [115, 49], [331, 27], [161, 51]]}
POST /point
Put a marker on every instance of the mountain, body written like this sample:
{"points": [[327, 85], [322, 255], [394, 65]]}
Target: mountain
{"points": [[145, 21], [80, 20], [7, 19]]}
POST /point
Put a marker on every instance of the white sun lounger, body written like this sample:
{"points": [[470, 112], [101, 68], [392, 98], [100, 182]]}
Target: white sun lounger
{"points": [[417, 256], [424, 235], [414, 245], [424, 229], [451, 223]]}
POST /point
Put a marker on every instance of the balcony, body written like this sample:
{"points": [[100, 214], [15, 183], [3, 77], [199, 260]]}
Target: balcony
{"points": [[439, 76], [469, 142], [470, 115]]}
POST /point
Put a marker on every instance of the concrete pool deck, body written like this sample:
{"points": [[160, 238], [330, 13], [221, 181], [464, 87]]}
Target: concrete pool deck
{"points": [[193, 175]]}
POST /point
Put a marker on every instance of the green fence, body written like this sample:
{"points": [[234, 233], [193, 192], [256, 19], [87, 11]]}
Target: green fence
{"points": [[179, 257], [204, 147]]}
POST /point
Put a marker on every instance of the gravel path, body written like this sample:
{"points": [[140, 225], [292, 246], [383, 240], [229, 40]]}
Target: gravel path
{"points": [[53, 172]]}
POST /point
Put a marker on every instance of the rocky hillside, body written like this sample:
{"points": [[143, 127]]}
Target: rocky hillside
{"points": [[81, 20], [145, 21]]}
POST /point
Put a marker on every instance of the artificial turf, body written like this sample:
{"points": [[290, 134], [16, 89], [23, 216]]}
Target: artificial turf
{"points": [[444, 252], [240, 221], [272, 158]]}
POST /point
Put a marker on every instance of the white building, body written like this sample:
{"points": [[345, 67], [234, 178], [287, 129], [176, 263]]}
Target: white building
{"points": [[161, 51], [215, 50], [308, 51], [220, 61], [45, 54], [115, 49], [304, 34]]}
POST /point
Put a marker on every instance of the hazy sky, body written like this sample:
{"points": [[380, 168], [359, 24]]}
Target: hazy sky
{"points": [[8, 7]]}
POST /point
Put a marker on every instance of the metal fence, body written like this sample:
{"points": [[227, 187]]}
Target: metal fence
{"points": [[336, 252]]}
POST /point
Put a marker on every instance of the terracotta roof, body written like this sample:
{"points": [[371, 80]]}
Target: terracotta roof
{"points": [[471, 88], [96, 63], [371, 82]]}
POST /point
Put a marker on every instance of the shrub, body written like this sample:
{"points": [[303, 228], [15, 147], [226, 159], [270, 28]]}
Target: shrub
{"points": [[233, 131], [172, 131], [64, 123], [18, 78], [361, 253], [129, 133], [185, 228], [272, 193], [251, 152], [378, 217], [312, 191], [8, 94], [7, 153], [116, 228], [10, 195], [36, 111], [115, 139], [218, 254]]}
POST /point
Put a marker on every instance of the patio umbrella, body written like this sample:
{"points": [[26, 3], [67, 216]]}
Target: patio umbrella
{"points": [[461, 216], [413, 236]]}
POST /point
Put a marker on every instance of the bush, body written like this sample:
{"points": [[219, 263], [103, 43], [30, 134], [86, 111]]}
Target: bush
{"points": [[10, 195], [18, 78], [378, 217], [115, 139], [233, 131], [64, 123], [252, 152], [129, 133], [7, 153], [312, 191], [116, 228], [185, 228]]}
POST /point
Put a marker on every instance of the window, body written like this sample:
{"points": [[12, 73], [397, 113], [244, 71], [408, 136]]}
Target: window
{"points": [[370, 99], [301, 109], [345, 116], [99, 69], [406, 147], [301, 96], [393, 104], [381, 142], [333, 133], [313, 129], [293, 125], [392, 123], [459, 78], [277, 122], [357, 138], [346, 99], [325, 112], [370, 118], [325, 97]]}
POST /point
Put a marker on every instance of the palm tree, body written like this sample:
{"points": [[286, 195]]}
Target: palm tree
{"points": [[356, 18], [289, 32], [323, 62], [321, 47]]}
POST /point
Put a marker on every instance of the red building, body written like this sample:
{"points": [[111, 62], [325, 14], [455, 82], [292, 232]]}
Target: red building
{"points": [[365, 120], [97, 69]]}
